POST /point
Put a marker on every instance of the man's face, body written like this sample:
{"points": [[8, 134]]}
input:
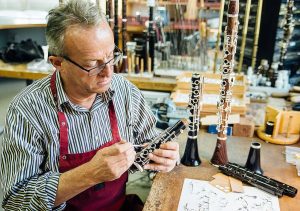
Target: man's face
{"points": [[88, 47]]}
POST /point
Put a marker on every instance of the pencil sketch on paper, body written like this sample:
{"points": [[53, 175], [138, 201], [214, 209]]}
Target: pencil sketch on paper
{"points": [[197, 195]]}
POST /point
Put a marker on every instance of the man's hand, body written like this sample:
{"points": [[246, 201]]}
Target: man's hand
{"points": [[111, 162], [164, 158]]}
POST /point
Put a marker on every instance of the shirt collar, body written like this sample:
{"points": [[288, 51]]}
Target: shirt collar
{"points": [[62, 97]]}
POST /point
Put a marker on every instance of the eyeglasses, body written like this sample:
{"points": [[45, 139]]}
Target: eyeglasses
{"points": [[97, 69]]}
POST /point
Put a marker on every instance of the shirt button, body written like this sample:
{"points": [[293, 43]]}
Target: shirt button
{"points": [[64, 157], [63, 123], [96, 137]]}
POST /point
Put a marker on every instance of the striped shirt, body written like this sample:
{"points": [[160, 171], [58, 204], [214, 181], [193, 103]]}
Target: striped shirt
{"points": [[30, 154]]}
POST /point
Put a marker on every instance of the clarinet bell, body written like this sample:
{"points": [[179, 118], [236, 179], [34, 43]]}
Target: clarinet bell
{"points": [[253, 160]]}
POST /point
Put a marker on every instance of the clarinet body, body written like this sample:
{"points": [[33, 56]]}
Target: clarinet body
{"points": [[151, 34], [116, 31], [257, 180], [191, 156], [124, 66], [141, 158], [227, 81], [108, 13], [116, 23]]}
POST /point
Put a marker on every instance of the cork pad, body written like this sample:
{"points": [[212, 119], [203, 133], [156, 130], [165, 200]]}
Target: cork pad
{"points": [[226, 183]]}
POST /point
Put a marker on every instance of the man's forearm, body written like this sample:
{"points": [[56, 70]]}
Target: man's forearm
{"points": [[73, 182]]}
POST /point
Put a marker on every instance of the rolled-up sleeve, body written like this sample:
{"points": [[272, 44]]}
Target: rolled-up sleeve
{"points": [[26, 183]]}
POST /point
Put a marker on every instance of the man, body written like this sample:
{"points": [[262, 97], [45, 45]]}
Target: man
{"points": [[68, 137]]}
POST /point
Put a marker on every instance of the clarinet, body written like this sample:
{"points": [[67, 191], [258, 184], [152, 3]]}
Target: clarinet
{"points": [[141, 158], [108, 13], [257, 180], [288, 29], [124, 66], [116, 30], [227, 79], [151, 33], [191, 156]]}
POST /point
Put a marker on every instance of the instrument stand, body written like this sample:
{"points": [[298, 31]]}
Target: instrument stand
{"points": [[286, 126]]}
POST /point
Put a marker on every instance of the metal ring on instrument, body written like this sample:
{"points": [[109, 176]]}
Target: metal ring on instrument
{"points": [[232, 15], [192, 137], [226, 62], [194, 101], [222, 101], [226, 70], [195, 92], [195, 83]]}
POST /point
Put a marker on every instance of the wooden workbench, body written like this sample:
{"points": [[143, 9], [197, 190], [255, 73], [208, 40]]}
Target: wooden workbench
{"points": [[166, 188], [21, 72]]}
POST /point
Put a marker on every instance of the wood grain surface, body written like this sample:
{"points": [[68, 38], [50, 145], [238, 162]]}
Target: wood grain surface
{"points": [[166, 188]]}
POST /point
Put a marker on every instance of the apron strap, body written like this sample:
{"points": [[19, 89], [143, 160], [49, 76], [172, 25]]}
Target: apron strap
{"points": [[62, 120], [113, 122], [63, 134]]}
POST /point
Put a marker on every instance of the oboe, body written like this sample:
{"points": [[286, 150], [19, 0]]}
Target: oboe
{"points": [[191, 156], [227, 80], [141, 158], [257, 180], [288, 29], [124, 67]]}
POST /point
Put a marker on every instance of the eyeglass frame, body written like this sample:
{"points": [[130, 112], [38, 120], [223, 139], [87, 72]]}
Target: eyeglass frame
{"points": [[103, 65]]}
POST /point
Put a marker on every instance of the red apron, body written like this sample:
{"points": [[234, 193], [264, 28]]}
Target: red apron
{"points": [[104, 196]]}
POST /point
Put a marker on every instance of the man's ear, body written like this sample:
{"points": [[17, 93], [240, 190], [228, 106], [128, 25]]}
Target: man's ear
{"points": [[56, 61]]}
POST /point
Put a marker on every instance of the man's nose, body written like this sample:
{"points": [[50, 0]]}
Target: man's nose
{"points": [[107, 69]]}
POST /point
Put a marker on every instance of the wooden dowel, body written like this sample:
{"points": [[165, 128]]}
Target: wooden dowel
{"points": [[142, 65]]}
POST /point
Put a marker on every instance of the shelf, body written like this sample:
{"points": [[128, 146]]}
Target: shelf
{"points": [[19, 26], [207, 5], [12, 19], [20, 71]]}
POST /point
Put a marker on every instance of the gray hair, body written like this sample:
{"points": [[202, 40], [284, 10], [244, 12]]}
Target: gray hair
{"points": [[73, 12]]}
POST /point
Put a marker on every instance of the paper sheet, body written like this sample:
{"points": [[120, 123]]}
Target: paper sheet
{"points": [[198, 195]]}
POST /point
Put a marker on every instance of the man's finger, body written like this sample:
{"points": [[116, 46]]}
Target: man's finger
{"points": [[170, 146], [161, 160], [117, 148], [166, 153], [157, 167]]}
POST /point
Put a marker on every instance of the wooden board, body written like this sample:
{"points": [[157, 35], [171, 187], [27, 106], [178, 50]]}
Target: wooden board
{"points": [[166, 188], [180, 98], [20, 71], [17, 26], [239, 88]]}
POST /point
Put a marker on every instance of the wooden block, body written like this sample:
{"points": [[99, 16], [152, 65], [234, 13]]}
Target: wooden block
{"points": [[245, 128], [213, 119], [221, 182], [236, 185]]}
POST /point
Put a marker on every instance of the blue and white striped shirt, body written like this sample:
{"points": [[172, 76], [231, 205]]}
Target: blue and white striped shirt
{"points": [[29, 158]]}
